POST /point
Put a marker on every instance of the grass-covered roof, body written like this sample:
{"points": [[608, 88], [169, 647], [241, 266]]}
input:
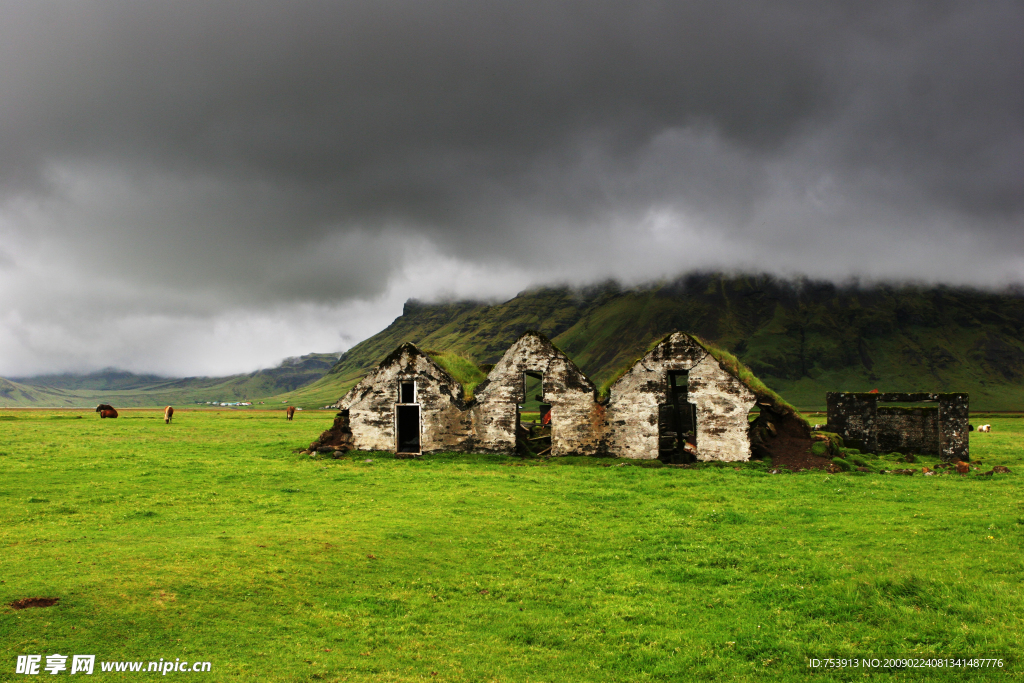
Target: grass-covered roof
{"points": [[765, 396], [462, 369]]}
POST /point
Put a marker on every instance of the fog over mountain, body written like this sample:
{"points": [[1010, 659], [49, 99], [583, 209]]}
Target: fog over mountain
{"points": [[197, 188]]}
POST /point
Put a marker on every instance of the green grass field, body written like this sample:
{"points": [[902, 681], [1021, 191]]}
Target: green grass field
{"points": [[212, 539]]}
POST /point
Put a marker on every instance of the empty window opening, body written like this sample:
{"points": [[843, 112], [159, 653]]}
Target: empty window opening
{"points": [[408, 419], [407, 392], [533, 418], [677, 421]]}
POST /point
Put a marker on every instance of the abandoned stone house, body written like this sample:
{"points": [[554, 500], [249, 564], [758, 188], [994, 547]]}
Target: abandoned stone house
{"points": [[677, 403], [911, 423], [576, 418], [409, 404]]}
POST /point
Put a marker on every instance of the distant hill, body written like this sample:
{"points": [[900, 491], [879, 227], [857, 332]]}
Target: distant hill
{"points": [[125, 389], [802, 338], [15, 394]]}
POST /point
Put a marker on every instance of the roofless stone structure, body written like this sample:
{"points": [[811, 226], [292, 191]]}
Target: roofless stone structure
{"points": [[918, 423], [682, 401], [576, 419], [678, 403]]}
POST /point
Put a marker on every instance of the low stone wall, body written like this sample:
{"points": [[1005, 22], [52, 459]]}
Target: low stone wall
{"points": [[866, 423], [907, 430]]}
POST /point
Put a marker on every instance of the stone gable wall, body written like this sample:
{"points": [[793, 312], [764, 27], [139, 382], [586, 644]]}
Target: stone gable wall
{"points": [[723, 403], [444, 422], [577, 420]]}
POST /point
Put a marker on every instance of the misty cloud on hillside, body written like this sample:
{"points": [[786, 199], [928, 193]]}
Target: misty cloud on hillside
{"points": [[206, 188]]}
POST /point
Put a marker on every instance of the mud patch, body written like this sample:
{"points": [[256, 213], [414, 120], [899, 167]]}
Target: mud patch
{"points": [[795, 455], [25, 603], [785, 441]]}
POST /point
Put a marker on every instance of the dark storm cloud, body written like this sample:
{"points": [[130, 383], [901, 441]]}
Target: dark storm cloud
{"points": [[255, 154], [410, 109]]}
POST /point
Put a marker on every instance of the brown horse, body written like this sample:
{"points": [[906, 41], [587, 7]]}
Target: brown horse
{"points": [[289, 412], [106, 410], [168, 414]]}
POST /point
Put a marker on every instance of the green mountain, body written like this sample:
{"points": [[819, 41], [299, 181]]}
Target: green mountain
{"points": [[802, 338], [125, 389]]}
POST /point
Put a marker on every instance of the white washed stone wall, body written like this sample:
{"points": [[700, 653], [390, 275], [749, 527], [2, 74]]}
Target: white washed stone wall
{"points": [[722, 401], [626, 427], [577, 421], [444, 423], [723, 404]]}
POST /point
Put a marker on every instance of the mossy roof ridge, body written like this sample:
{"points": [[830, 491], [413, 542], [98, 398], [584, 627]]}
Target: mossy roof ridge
{"points": [[606, 387], [729, 363], [444, 360], [737, 369], [413, 350]]}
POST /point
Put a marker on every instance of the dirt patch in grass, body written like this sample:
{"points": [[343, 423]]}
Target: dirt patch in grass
{"points": [[785, 441], [25, 603], [795, 455]]}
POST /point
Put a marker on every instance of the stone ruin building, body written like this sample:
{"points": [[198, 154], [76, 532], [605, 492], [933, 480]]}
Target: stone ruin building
{"points": [[935, 424], [408, 405], [678, 403], [576, 417]]}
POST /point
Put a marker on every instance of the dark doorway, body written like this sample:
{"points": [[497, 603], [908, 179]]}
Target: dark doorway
{"points": [[533, 418], [677, 421], [408, 429]]}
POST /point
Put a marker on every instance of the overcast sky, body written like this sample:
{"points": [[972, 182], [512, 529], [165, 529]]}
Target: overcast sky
{"points": [[207, 187]]}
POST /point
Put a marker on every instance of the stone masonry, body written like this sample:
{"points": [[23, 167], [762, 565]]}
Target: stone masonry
{"points": [[941, 429], [444, 423], [577, 419], [677, 403], [721, 401]]}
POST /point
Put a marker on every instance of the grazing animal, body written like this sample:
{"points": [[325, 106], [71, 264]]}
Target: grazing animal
{"points": [[985, 428], [106, 410], [168, 414], [289, 412]]}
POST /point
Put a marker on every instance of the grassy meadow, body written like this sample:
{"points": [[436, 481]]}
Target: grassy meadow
{"points": [[213, 539]]}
